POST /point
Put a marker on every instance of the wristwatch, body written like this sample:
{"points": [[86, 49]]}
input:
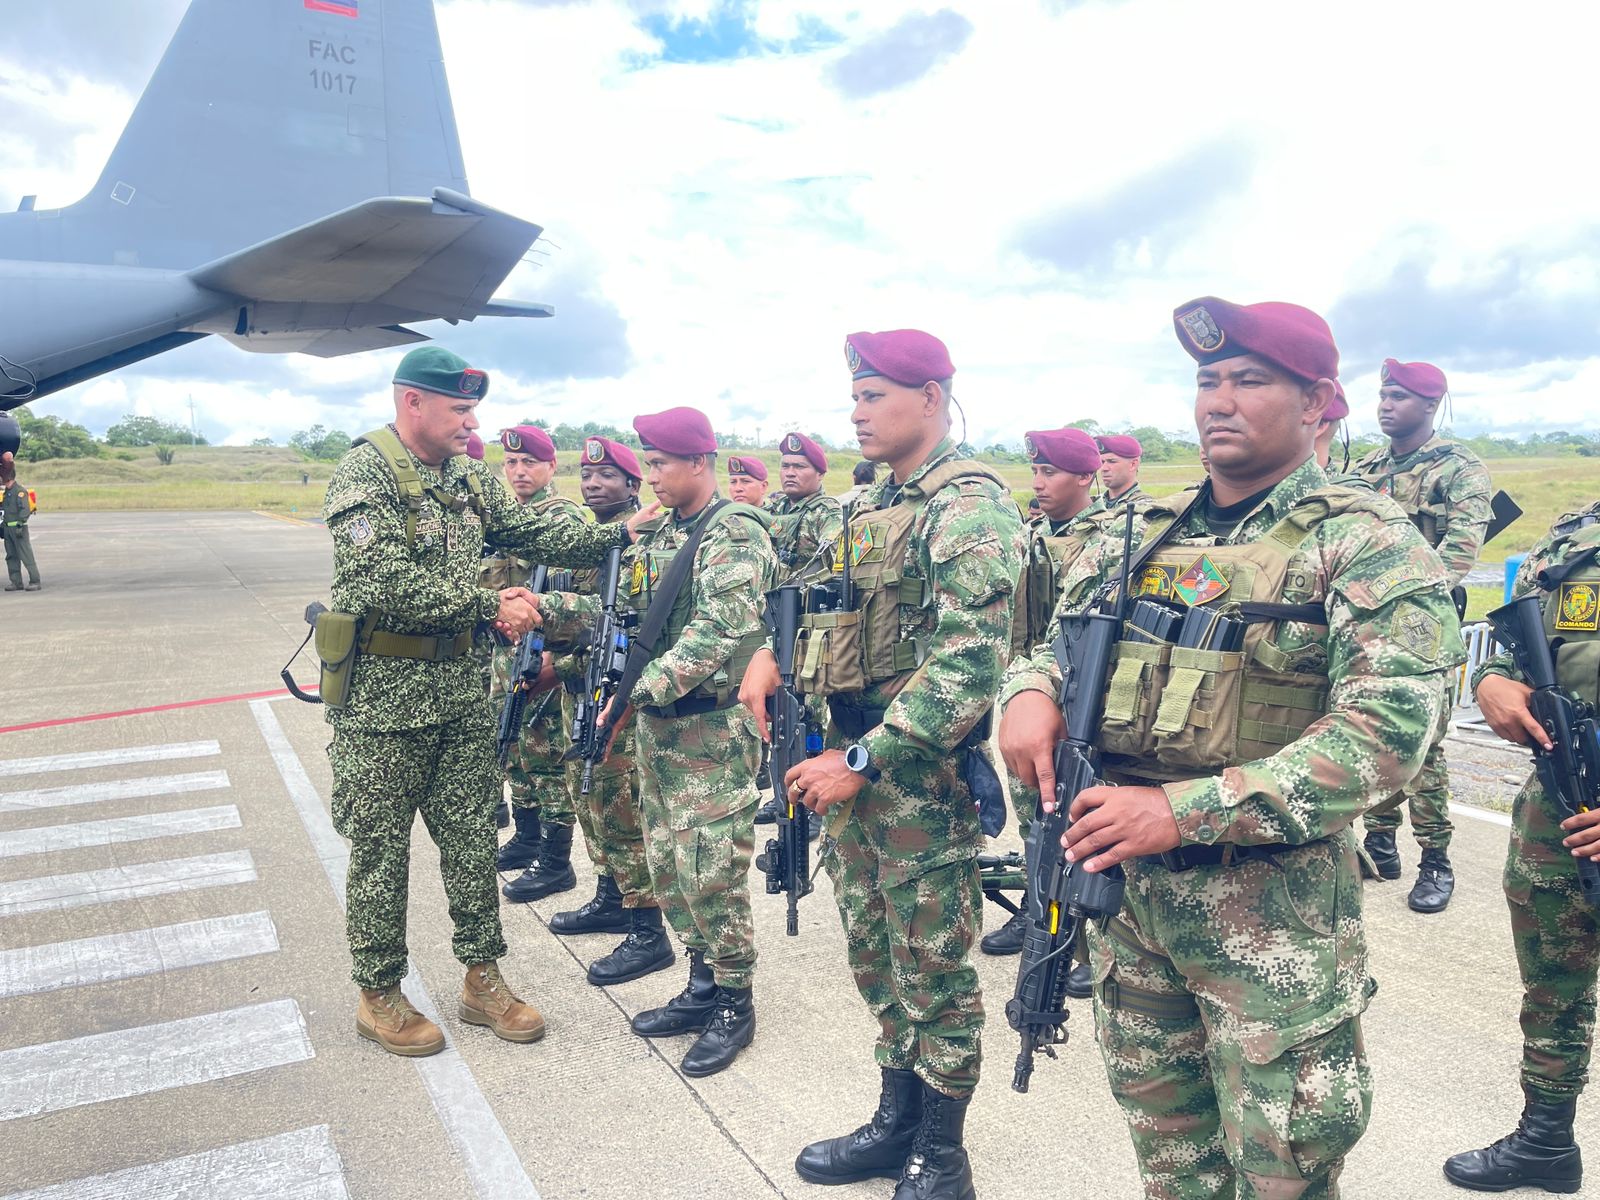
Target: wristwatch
{"points": [[859, 759]]}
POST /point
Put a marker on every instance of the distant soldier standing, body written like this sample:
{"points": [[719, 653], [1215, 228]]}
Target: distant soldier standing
{"points": [[697, 750], [1555, 929], [934, 554], [1445, 490], [747, 480], [610, 816], [1229, 990], [408, 514], [1120, 455], [862, 476], [14, 513]]}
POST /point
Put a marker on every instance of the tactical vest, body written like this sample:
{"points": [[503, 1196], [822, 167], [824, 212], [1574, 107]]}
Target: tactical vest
{"points": [[499, 571], [849, 651], [1171, 711], [1048, 557], [650, 567], [1572, 605], [1405, 487], [409, 483]]}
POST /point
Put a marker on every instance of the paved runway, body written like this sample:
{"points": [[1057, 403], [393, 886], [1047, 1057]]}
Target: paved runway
{"points": [[176, 1016]]}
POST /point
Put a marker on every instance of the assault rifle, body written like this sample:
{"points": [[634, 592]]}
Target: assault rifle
{"points": [[795, 736], [1569, 773], [1062, 897], [609, 644], [525, 668]]}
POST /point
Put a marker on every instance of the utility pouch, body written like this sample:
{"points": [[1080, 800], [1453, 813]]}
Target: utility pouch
{"points": [[828, 656], [1202, 687], [336, 636], [1138, 679]]}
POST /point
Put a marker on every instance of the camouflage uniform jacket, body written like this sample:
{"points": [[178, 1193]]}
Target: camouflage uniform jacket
{"points": [[1134, 495], [507, 570], [1445, 489], [733, 569], [431, 587], [801, 528], [1050, 548], [571, 660], [968, 548], [1390, 644]]}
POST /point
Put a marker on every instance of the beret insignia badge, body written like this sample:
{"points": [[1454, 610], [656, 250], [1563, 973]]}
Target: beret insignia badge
{"points": [[1027, 444], [1385, 374], [736, 466], [1203, 331], [471, 381], [791, 444], [594, 450], [852, 358]]}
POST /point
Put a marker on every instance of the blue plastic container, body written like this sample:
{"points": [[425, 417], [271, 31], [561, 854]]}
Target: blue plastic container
{"points": [[1513, 565]]}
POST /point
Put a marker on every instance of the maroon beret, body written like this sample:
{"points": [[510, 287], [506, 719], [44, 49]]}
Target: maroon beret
{"points": [[799, 443], [679, 431], [1066, 449], [747, 465], [529, 439], [907, 356], [1425, 379], [1121, 444], [474, 447], [1295, 338], [599, 452], [1340, 408]]}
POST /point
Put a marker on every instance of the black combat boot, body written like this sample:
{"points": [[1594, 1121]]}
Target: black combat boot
{"points": [[731, 1028], [1435, 883], [1541, 1153], [1007, 939], [603, 914], [938, 1168], [767, 814], [1385, 855], [502, 815], [879, 1149], [552, 872], [522, 847], [646, 949], [1080, 984], [687, 1012]]}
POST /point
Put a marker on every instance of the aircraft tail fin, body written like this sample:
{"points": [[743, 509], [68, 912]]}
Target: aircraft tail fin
{"points": [[263, 116]]}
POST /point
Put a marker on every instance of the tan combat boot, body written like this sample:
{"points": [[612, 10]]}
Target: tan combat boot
{"points": [[486, 1000], [385, 1016]]}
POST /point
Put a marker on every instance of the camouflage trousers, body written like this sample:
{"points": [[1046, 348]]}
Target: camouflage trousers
{"points": [[910, 921], [698, 794], [380, 782], [534, 767], [1557, 937], [1427, 797], [611, 819], [1227, 1007]]}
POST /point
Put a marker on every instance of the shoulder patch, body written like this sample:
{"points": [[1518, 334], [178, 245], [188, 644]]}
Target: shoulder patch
{"points": [[1418, 631], [343, 501], [359, 531]]}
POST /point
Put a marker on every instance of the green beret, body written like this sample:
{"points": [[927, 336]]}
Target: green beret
{"points": [[435, 369]]}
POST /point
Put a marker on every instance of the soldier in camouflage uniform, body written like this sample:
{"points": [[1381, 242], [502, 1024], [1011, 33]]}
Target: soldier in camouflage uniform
{"points": [[910, 672], [1229, 991], [1445, 490], [697, 750], [1064, 464], [1119, 470], [610, 816], [747, 481], [408, 514], [1555, 928], [541, 808]]}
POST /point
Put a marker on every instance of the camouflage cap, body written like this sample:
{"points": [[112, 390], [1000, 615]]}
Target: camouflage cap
{"points": [[435, 369]]}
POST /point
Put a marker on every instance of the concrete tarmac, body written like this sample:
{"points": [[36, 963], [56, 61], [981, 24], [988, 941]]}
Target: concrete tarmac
{"points": [[175, 1003]]}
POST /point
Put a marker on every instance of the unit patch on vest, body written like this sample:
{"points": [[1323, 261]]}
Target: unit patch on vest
{"points": [[1418, 632], [1157, 580], [360, 531], [1201, 583], [1578, 608], [862, 544]]}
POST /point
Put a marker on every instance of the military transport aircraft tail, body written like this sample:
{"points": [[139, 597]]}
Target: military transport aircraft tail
{"points": [[291, 179]]}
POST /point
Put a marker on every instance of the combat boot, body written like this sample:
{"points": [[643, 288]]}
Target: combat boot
{"points": [[731, 1028], [938, 1168], [1007, 939], [877, 1150], [486, 1000], [1436, 882], [603, 914], [1080, 984], [645, 950], [502, 815], [687, 1012], [522, 847], [1385, 854], [1541, 1153], [552, 872], [385, 1016], [767, 814]]}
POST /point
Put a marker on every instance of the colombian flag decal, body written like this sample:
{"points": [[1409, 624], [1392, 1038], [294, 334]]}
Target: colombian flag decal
{"points": [[339, 8]]}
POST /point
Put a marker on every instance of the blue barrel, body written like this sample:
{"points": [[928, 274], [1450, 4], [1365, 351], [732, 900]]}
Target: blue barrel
{"points": [[1513, 565]]}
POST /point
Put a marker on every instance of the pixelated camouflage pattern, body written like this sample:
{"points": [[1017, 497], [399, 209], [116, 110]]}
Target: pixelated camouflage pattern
{"points": [[430, 587], [381, 780], [1426, 798], [1443, 486], [801, 528]]}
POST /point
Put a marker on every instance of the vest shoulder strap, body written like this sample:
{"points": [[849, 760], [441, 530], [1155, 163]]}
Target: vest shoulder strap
{"points": [[945, 474], [406, 479]]}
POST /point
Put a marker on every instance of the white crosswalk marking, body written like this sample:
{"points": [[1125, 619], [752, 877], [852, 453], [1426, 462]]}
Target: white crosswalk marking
{"points": [[116, 789], [10, 769], [150, 1058], [18, 842], [55, 893], [302, 1165], [104, 959]]}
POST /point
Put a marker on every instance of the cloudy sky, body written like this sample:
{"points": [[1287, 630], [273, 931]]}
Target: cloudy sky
{"points": [[728, 187]]}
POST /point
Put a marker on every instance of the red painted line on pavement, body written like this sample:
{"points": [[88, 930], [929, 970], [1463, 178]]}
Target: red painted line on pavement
{"points": [[154, 708]]}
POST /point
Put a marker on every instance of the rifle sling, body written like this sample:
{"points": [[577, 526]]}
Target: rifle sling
{"points": [[1553, 577]]}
